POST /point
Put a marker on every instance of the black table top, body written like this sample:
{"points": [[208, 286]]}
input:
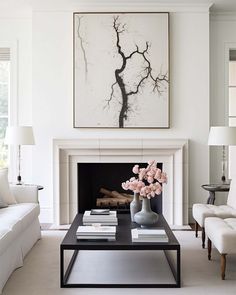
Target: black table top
{"points": [[221, 187], [123, 237]]}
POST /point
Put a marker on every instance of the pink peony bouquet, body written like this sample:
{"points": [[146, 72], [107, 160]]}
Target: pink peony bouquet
{"points": [[148, 181]]}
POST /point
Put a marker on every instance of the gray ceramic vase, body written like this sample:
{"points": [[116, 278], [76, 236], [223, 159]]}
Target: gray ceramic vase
{"points": [[135, 206], [146, 217]]}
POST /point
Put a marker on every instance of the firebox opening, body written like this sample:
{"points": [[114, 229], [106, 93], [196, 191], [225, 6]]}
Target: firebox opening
{"points": [[99, 186]]}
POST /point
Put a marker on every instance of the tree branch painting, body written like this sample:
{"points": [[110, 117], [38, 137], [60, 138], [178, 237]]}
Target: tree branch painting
{"points": [[126, 83], [82, 46], [157, 82]]}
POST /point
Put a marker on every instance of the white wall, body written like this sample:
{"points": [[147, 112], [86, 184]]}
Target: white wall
{"points": [[53, 89], [223, 37], [52, 82], [15, 32]]}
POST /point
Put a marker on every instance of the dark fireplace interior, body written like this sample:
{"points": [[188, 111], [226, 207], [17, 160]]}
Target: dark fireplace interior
{"points": [[94, 176]]}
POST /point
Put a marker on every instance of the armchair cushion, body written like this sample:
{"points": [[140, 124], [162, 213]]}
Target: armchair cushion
{"points": [[202, 211], [22, 214], [222, 233], [2, 203], [25, 193], [5, 192]]}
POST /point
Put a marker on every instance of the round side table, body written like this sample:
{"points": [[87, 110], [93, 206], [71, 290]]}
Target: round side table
{"points": [[212, 188]]}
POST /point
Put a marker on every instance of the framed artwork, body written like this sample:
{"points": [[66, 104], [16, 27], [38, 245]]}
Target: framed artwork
{"points": [[121, 70]]}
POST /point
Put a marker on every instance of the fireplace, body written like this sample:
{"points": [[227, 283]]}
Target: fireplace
{"points": [[172, 153], [95, 179]]}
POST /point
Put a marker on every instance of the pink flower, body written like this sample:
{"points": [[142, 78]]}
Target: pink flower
{"points": [[163, 178], [144, 191], [142, 173], [151, 162], [136, 169], [148, 181], [133, 184], [125, 185], [151, 173], [153, 194], [158, 188], [140, 185], [157, 174]]}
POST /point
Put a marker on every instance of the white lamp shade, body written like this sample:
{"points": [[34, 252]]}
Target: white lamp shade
{"points": [[222, 135], [19, 135]]}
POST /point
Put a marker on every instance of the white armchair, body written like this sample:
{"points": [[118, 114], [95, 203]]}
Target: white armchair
{"points": [[202, 211], [222, 233]]}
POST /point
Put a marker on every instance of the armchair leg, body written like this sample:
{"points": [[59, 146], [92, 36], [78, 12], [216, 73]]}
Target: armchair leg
{"points": [[203, 237], [209, 248], [223, 266], [196, 229]]}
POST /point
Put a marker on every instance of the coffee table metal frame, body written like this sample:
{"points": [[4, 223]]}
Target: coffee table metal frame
{"points": [[123, 242]]}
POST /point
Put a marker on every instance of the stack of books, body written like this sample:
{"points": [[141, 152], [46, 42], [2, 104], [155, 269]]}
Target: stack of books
{"points": [[149, 235], [101, 216], [90, 232]]}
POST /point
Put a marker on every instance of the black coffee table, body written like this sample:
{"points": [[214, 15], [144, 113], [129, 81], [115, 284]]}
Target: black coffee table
{"points": [[123, 241]]}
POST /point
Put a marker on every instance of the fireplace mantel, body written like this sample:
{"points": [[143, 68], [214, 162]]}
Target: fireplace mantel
{"points": [[173, 153]]}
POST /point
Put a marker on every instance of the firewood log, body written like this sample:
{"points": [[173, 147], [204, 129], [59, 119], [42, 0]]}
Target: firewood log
{"points": [[110, 202], [112, 194], [106, 192], [118, 195], [128, 196]]}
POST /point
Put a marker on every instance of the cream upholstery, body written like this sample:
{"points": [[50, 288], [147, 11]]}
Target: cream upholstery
{"points": [[19, 214], [19, 230], [25, 193], [7, 238], [202, 211], [222, 233], [5, 191]]}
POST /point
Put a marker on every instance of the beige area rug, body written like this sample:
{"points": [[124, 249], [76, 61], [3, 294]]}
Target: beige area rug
{"points": [[40, 273]]}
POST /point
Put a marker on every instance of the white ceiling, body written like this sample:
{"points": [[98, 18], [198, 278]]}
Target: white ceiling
{"points": [[217, 5]]}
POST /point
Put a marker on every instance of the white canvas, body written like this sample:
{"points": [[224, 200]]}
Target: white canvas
{"points": [[121, 70]]}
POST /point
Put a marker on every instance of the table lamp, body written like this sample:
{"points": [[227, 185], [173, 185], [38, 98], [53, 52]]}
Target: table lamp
{"points": [[222, 136], [19, 135]]}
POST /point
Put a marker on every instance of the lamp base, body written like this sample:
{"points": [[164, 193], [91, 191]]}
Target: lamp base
{"points": [[19, 180]]}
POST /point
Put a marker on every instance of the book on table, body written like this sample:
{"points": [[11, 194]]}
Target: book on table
{"points": [[151, 232], [114, 223], [100, 212], [96, 232], [103, 219], [149, 235], [97, 238], [89, 215]]}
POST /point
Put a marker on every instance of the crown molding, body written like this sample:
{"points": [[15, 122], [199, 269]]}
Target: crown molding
{"points": [[223, 16], [120, 6]]}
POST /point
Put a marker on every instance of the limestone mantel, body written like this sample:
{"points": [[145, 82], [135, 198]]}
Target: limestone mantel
{"points": [[173, 153]]}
